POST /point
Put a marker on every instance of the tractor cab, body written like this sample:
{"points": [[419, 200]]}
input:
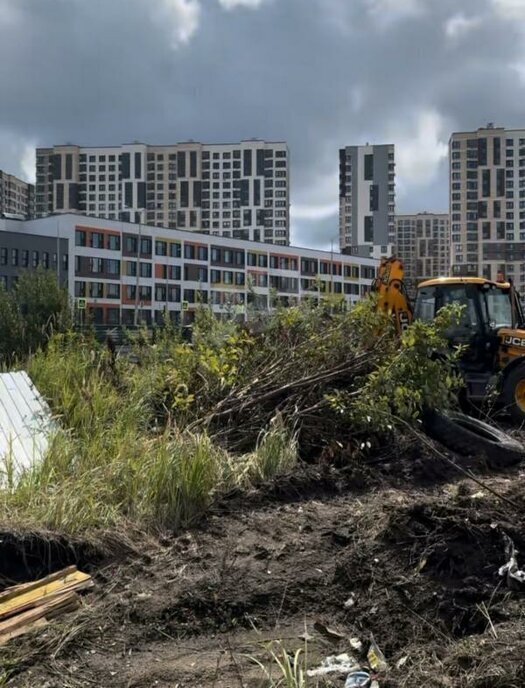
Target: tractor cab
{"points": [[490, 328], [487, 306]]}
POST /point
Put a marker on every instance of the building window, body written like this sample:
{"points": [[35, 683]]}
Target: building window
{"points": [[3, 256], [130, 244], [112, 290], [161, 248], [34, 261], [25, 258], [97, 240], [14, 257], [45, 260], [95, 265], [80, 238], [369, 167], [145, 269], [175, 250], [80, 289], [113, 267], [113, 242]]}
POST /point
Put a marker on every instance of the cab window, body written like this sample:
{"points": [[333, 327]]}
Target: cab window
{"points": [[498, 307], [458, 294], [425, 308]]}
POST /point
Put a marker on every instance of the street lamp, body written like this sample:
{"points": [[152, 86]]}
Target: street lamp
{"points": [[137, 280], [139, 255], [332, 262]]}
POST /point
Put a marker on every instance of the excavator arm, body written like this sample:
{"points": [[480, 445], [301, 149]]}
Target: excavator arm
{"points": [[392, 296]]}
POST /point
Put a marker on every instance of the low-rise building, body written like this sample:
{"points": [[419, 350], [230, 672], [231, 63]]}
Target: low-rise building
{"points": [[124, 273]]}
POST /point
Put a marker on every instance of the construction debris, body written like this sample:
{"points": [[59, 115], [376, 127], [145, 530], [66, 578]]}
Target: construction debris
{"points": [[25, 425], [514, 574], [358, 679], [28, 606], [335, 664], [356, 644]]}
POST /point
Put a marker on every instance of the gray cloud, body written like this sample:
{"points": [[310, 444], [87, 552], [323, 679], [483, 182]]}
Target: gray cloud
{"points": [[319, 73]]}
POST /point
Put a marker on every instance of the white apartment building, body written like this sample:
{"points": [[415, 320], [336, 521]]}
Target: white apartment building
{"points": [[487, 203], [17, 197], [423, 244], [367, 200], [238, 190]]}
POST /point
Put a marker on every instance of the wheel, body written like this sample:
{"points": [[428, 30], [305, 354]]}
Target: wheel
{"points": [[514, 394], [470, 437]]}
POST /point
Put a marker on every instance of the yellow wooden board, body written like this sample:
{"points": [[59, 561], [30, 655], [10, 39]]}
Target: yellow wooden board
{"points": [[38, 594]]}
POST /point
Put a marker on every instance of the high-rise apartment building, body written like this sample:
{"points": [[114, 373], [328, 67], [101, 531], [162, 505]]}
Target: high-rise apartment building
{"points": [[236, 190], [367, 199], [423, 244], [16, 196], [487, 203]]}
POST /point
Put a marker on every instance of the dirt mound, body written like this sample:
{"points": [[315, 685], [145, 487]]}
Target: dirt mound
{"points": [[359, 550]]}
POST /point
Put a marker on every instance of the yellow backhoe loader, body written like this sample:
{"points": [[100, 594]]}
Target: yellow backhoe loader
{"points": [[491, 328]]}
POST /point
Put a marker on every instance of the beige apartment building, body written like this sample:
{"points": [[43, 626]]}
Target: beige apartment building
{"points": [[238, 190], [17, 197], [423, 244], [487, 203]]}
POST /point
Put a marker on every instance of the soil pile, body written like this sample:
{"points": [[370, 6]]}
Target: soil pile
{"points": [[410, 558]]}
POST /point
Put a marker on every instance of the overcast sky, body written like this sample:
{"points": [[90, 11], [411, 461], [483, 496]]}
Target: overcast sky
{"points": [[320, 74]]}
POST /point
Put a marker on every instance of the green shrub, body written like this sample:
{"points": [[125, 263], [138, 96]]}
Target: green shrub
{"points": [[30, 313]]}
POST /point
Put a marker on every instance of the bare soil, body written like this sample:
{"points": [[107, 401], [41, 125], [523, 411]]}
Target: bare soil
{"points": [[416, 548]]}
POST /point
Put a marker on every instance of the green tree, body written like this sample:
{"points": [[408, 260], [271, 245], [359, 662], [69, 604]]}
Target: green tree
{"points": [[29, 314]]}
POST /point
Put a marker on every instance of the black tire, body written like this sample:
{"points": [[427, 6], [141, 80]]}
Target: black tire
{"points": [[471, 437], [510, 395]]}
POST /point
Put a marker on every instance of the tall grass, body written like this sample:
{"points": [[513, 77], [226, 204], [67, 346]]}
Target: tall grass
{"points": [[108, 462]]}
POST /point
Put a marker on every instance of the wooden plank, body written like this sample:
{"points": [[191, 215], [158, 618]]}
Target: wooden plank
{"points": [[50, 597], [39, 595], [63, 601], [38, 617], [14, 590], [6, 637]]}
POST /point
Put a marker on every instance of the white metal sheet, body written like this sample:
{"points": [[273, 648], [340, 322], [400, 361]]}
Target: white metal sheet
{"points": [[25, 424]]}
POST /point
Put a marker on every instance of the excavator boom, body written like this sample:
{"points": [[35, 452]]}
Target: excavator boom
{"points": [[392, 296]]}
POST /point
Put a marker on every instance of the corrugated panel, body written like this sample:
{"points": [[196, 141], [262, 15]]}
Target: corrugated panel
{"points": [[25, 423]]}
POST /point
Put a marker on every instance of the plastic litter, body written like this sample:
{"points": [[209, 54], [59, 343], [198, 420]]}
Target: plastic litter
{"points": [[511, 567], [356, 644], [358, 679], [376, 659], [350, 602], [335, 664]]}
